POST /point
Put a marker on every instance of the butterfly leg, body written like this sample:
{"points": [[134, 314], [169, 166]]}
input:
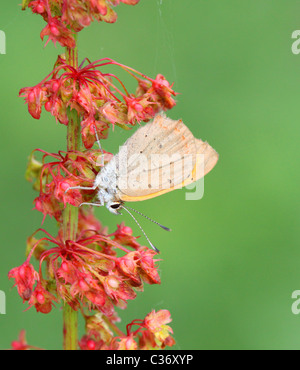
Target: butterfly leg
{"points": [[91, 204], [98, 142], [81, 188], [101, 200]]}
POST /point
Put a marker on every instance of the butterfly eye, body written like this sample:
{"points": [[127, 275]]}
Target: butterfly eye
{"points": [[115, 205]]}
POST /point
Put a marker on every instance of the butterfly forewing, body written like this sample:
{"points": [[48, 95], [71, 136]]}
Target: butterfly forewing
{"points": [[159, 156]]}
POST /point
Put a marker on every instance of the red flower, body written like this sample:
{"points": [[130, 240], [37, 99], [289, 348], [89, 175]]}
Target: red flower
{"points": [[115, 113], [58, 109], [48, 205], [58, 32], [162, 92], [73, 196], [35, 97], [118, 289], [128, 265], [92, 342], [88, 131], [21, 344], [147, 268], [42, 299], [25, 277], [123, 235], [140, 109], [124, 343], [156, 322], [39, 7]]}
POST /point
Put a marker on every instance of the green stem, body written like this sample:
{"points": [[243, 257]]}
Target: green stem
{"points": [[70, 214], [70, 328]]}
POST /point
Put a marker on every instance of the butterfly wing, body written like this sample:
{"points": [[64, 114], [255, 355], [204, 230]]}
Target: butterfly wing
{"points": [[207, 158], [160, 157]]}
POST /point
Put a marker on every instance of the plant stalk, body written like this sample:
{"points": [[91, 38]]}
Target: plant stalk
{"points": [[70, 213]]}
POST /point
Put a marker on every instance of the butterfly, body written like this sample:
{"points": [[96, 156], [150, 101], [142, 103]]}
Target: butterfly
{"points": [[158, 158]]}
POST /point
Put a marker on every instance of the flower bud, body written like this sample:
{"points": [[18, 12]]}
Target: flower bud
{"points": [[25, 277]]}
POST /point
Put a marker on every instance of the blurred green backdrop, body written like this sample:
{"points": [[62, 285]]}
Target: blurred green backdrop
{"points": [[232, 261]]}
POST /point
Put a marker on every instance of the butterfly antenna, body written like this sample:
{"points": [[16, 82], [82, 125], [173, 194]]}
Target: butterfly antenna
{"points": [[148, 218], [152, 246]]}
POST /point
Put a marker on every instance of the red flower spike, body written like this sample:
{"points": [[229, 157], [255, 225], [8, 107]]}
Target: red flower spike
{"points": [[25, 277], [86, 272], [96, 97], [95, 271], [72, 14]]}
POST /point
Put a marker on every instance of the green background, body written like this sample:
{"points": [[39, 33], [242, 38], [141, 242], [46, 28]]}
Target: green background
{"points": [[231, 263]]}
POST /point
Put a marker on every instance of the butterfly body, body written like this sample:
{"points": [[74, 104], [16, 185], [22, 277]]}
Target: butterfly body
{"points": [[107, 191]]}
